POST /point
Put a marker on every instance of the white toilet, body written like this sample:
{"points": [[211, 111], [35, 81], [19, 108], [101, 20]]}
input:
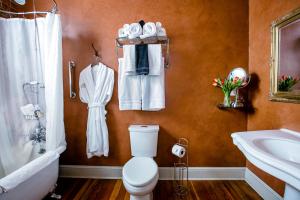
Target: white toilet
{"points": [[140, 173]]}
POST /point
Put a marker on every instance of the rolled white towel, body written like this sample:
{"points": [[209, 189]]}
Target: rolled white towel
{"points": [[135, 30], [126, 29], [160, 30], [122, 33], [149, 30], [158, 25]]}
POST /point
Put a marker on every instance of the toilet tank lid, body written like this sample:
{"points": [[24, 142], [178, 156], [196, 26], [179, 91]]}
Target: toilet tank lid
{"points": [[143, 128]]}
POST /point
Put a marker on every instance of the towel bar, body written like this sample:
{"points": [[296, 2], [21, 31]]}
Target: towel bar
{"points": [[163, 40], [71, 79]]}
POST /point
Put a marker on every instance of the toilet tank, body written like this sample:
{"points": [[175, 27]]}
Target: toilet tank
{"points": [[143, 140]]}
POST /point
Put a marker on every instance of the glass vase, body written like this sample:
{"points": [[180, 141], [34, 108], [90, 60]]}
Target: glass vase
{"points": [[227, 101]]}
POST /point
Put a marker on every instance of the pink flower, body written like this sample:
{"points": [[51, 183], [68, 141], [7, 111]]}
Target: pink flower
{"points": [[236, 79], [215, 84]]}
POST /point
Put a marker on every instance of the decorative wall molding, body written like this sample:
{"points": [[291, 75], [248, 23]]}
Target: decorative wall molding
{"points": [[261, 187]]}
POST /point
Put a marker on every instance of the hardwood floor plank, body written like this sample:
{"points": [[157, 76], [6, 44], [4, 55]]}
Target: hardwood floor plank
{"points": [[116, 190], [193, 192], [122, 193], [70, 189], [127, 196], [101, 190], [79, 195]]}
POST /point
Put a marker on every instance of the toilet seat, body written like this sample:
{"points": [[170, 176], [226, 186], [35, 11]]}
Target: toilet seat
{"points": [[140, 171]]}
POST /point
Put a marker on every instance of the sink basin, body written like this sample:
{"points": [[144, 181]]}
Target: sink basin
{"points": [[277, 152], [275, 147]]}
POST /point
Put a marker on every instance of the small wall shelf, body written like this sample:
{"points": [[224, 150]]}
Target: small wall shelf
{"points": [[222, 107]]}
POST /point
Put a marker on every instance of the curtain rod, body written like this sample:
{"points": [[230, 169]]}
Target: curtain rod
{"points": [[53, 10], [26, 13]]}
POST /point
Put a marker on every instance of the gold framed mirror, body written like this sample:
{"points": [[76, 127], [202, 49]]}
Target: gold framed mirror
{"points": [[285, 58]]}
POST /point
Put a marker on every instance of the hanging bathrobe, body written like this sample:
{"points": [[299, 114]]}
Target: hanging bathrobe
{"points": [[96, 87]]}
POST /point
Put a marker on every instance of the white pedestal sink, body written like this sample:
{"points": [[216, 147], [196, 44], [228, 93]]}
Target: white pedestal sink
{"points": [[277, 152]]}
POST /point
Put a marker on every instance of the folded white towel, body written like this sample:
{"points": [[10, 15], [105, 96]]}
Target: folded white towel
{"points": [[135, 30], [154, 58], [29, 109], [160, 30], [129, 59], [149, 30]]}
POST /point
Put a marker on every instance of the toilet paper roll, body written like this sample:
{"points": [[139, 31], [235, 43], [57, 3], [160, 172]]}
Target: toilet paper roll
{"points": [[178, 150]]}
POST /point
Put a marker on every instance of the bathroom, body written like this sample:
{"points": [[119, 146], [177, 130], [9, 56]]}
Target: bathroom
{"points": [[206, 39]]}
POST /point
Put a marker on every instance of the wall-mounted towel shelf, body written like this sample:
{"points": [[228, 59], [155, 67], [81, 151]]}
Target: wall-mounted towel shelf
{"points": [[163, 40]]}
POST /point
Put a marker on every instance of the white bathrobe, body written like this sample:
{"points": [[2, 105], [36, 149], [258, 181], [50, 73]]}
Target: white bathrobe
{"points": [[96, 87]]}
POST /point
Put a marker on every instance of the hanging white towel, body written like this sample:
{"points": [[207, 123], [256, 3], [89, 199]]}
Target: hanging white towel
{"points": [[96, 87], [129, 59], [153, 91], [129, 89], [154, 58]]}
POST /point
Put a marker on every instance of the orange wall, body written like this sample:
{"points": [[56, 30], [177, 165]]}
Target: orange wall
{"points": [[267, 115], [208, 38]]}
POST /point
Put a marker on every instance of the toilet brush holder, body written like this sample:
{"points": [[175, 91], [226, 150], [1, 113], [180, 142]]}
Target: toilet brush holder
{"points": [[181, 171]]}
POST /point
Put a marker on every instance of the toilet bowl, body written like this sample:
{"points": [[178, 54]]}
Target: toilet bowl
{"points": [[140, 173]]}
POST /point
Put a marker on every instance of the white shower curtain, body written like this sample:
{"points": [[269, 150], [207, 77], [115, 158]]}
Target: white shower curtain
{"points": [[29, 53]]}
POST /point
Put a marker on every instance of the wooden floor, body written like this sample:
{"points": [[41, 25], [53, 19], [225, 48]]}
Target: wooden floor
{"points": [[96, 189]]}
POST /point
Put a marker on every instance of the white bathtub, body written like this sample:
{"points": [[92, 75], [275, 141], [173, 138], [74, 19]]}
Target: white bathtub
{"points": [[34, 180]]}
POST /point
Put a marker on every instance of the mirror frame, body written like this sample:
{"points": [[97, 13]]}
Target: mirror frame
{"points": [[276, 95]]}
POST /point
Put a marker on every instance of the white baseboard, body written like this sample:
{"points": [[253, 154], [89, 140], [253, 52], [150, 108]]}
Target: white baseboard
{"points": [[97, 172], [261, 187], [206, 173], [165, 173]]}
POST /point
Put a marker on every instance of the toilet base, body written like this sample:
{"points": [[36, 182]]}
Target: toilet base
{"points": [[144, 197]]}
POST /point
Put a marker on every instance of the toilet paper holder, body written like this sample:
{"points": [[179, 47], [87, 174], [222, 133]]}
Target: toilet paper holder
{"points": [[181, 171]]}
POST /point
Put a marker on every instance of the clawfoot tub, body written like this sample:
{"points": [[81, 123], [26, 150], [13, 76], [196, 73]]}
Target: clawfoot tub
{"points": [[34, 180]]}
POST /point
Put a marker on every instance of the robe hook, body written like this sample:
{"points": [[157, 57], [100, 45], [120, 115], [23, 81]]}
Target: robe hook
{"points": [[96, 51]]}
